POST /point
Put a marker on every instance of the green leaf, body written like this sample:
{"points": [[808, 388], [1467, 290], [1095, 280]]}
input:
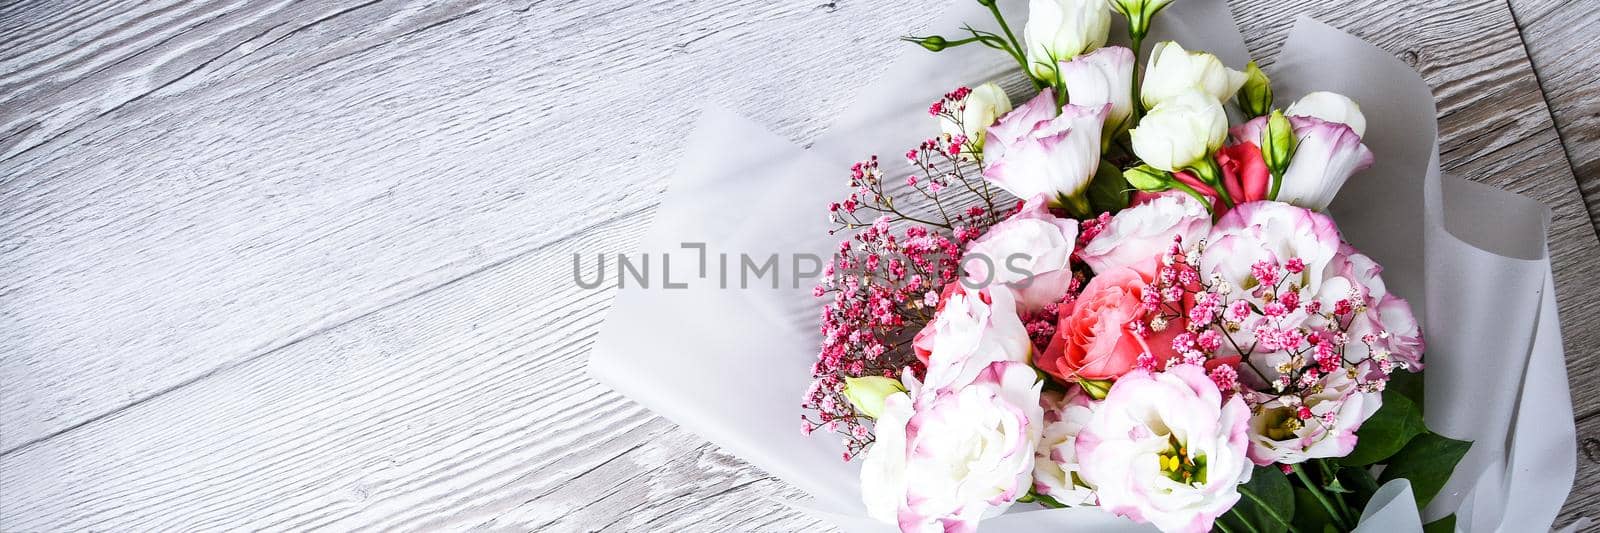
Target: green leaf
{"points": [[1109, 191], [1427, 461], [1309, 515], [1442, 525], [1408, 384], [1360, 481], [1266, 503], [1387, 431]]}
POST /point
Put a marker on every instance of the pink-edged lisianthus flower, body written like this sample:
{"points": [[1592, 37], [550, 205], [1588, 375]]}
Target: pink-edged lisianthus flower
{"points": [[1326, 154], [945, 459], [1167, 449], [1040, 149], [1055, 465], [1381, 322], [1264, 250], [1027, 252], [1138, 236], [1096, 335], [1102, 77], [1282, 432], [972, 329]]}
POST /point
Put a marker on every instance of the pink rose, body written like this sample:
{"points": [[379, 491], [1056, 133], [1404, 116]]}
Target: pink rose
{"points": [[1093, 339]]}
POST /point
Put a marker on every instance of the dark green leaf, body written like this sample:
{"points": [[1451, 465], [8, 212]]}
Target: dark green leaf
{"points": [[1442, 525], [1408, 384], [1428, 462], [1309, 515], [1266, 503], [1389, 430], [1360, 481], [1109, 191]]}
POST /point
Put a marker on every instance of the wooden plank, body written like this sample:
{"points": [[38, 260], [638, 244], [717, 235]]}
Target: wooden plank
{"points": [[188, 186], [375, 425], [1563, 38], [1585, 500], [460, 403]]}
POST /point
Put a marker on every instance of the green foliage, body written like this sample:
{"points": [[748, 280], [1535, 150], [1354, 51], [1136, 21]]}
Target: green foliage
{"points": [[1442, 525], [1266, 503], [1109, 191], [1389, 430], [1428, 460]]}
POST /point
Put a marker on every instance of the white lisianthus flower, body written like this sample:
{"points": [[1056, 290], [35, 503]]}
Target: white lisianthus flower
{"points": [[977, 112], [1137, 236], [1059, 30], [1165, 449], [1173, 71], [1279, 435], [1101, 77], [1028, 252], [1180, 131], [1038, 149], [942, 461], [972, 329], [1055, 466], [1331, 107]]}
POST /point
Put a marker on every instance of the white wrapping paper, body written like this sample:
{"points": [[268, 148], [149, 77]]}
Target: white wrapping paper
{"points": [[729, 358]]}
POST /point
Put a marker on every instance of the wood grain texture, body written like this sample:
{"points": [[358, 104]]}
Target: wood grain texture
{"points": [[1563, 40], [373, 426], [287, 266], [300, 165]]}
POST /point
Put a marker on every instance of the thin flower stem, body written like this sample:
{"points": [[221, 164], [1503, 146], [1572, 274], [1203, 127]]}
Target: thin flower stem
{"points": [[1138, 106], [1316, 491], [1338, 498], [1268, 508], [995, 9]]}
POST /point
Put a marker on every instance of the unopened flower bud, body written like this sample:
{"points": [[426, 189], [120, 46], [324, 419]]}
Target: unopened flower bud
{"points": [[1139, 13], [1148, 179], [1255, 97], [1277, 143], [976, 113], [933, 43], [867, 393], [1096, 388], [1059, 30]]}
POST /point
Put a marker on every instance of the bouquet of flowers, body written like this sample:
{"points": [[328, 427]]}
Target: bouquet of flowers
{"points": [[1125, 296], [1121, 293]]}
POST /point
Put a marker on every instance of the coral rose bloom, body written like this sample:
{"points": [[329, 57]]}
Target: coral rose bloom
{"points": [[1093, 336]]}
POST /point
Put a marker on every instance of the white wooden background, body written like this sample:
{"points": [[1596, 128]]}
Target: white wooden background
{"points": [[294, 265]]}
